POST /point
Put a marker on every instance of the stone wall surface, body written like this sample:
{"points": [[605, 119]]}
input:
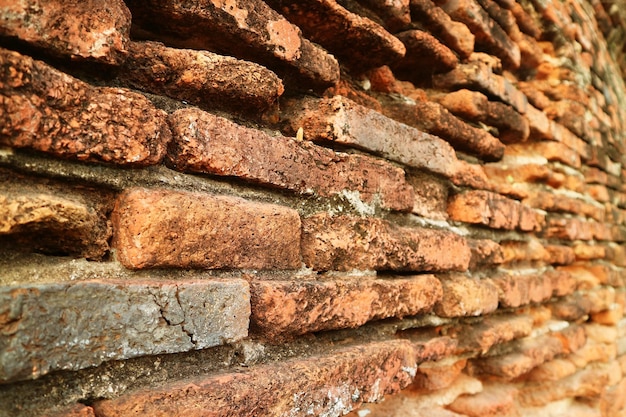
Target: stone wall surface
{"points": [[313, 208]]}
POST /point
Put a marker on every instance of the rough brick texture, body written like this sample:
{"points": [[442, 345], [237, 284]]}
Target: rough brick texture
{"points": [[220, 232]]}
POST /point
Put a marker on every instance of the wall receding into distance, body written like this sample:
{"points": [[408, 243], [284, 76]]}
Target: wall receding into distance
{"points": [[382, 208]]}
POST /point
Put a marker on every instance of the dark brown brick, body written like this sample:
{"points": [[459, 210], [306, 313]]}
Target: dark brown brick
{"points": [[343, 121], [463, 296], [356, 40], [96, 321], [203, 78], [303, 306], [46, 110], [454, 34], [162, 228], [476, 107], [80, 30], [489, 35], [248, 30], [211, 144], [345, 243], [332, 384]]}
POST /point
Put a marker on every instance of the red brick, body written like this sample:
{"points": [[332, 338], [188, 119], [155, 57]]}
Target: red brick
{"points": [[571, 308], [219, 231], [356, 40], [492, 210], [425, 55], [203, 78], [345, 243], [529, 250], [463, 296], [303, 306], [551, 371], [211, 144], [46, 110], [491, 331], [557, 202], [568, 229], [100, 320], [248, 30], [344, 122], [454, 34], [586, 252], [80, 30], [433, 118], [489, 35], [476, 75], [485, 253], [437, 375], [476, 107], [332, 384], [518, 290], [52, 218], [559, 255], [552, 151], [525, 22], [431, 195], [494, 400]]}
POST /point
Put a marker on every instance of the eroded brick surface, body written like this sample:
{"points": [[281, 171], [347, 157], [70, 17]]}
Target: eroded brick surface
{"points": [[464, 296], [345, 243], [219, 232], [97, 321], [328, 384], [211, 144], [49, 111], [297, 307]]}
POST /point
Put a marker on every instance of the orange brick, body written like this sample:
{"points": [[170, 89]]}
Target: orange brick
{"points": [[490, 331], [336, 382], [219, 232], [345, 243], [464, 296], [211, 144], [494, 400], [298, 307]]}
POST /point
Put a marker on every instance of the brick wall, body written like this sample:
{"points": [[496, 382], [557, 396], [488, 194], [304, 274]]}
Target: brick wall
{"points": [[292, 208]]}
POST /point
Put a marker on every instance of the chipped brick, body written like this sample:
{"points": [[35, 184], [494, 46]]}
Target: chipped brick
{"points": [[211, 144], [96, 321], [485, 253], [148, 223], [493, 401], [491, 331], [248, 30], [341, 120], [303, 306], [333, 383], [354, 39], [345, 243], [425, 55], [46, 110], [81, 30], [203, 78]]}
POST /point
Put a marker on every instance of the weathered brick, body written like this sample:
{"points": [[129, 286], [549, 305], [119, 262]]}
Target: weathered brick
{"points": [[463, 296], [568, 229], [97, 321], [433, 118], [52, 219], [490, 331], [203, 78], [476, 75], [356, 40], [525, 22], [332, 384], [345, 243], [489, 35], [248, 30], [46, 110], [611, 316], [455, 34], [425, 55], [485, 253], [83, 30], [395, 14], [476, 107], [492, 210], [74, 410], [551, 371], [211, 144], [303, 306], [531, 353], [432, 376], [219, 231], [552, 151], [494, 400], [431, 195], [558, 202], [518, 290], [527, 250], [343, 121], [586, 252]]}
